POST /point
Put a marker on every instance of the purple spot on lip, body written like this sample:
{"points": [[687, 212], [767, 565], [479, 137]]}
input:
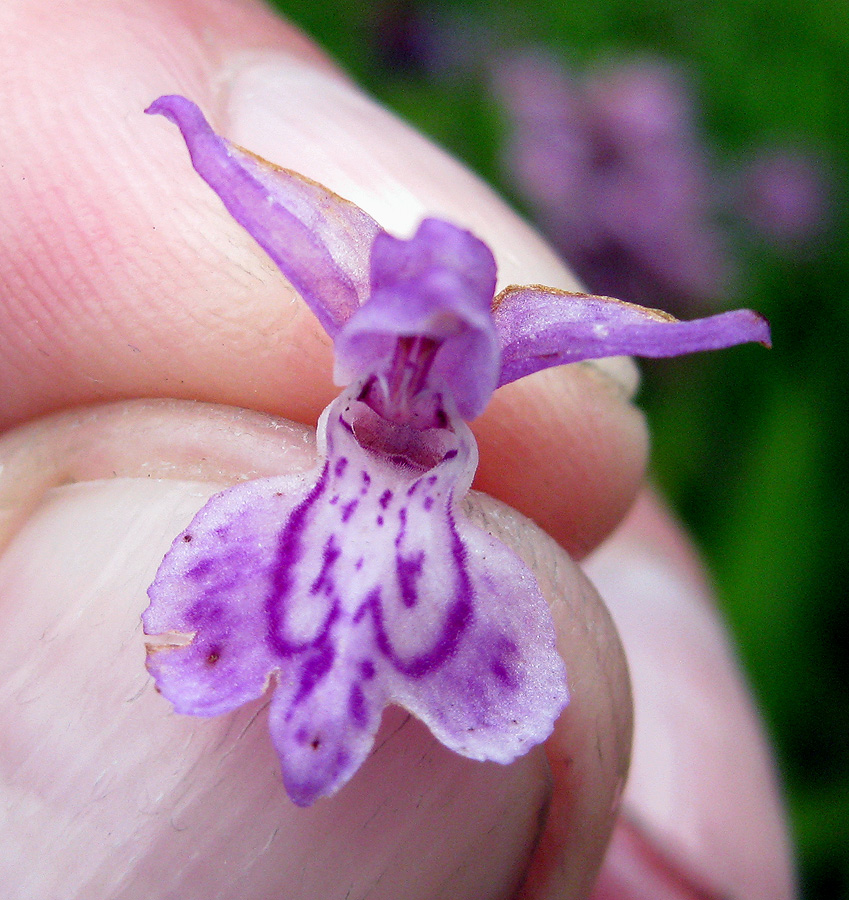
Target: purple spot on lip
{"points": [[433, 479], [408, 571], [499, 670], [428, 503], [341, 465], [385, 497], [380, 521], [199, 571], [506, 675], [204, 612], [366, 483], [360, 614], [367, 669], [451, 454], [348, 510]]}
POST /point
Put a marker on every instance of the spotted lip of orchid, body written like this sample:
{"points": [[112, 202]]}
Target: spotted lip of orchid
{"points": [[361, 584]]}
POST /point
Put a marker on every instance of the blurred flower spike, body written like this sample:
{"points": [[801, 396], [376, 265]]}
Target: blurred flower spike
{"points": [[361, 584], [614, 169], [785, 194]]}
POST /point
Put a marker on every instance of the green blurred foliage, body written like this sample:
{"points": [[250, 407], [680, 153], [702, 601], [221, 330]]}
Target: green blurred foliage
{"points": [[749, 446]]}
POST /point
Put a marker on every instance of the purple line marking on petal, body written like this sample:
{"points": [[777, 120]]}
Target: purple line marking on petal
{"points": [[402, 518], [357, 706], [290, 551], [329, 556], [314, 669], [457, 620]]}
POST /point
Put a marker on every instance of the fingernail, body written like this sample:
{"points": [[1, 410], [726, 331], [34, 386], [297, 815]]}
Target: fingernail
{"points": [[319, 124]]}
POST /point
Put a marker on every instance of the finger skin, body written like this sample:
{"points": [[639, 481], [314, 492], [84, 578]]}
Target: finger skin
{"points": [[121, 277], [125, 798], [702, 814]]}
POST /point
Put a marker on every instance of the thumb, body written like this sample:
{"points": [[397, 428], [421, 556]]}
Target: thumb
{"points": [[127, 795]]}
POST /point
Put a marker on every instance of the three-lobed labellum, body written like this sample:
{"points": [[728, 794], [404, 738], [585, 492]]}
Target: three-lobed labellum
{"points": [[352, 588]]}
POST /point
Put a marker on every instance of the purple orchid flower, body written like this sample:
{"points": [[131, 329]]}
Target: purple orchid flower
{"points": [[362, 584]]}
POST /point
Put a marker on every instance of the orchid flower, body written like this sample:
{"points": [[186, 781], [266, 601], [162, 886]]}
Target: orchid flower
{"points": [[361, 584]]}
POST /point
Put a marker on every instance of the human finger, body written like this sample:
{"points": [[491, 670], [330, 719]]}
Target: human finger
{"points": [[702, 815]]}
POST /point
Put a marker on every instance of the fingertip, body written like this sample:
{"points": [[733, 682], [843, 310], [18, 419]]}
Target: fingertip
{"points": [[703, 788], [589, 751]]}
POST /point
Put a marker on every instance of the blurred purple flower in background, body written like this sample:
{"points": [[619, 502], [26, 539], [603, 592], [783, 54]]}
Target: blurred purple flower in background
{"points": [[405, 38], [784, 194], [613, 169], [411, 38]]}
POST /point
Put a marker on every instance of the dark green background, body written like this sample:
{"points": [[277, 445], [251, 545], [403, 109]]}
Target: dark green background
{"points": [[749, 446]]}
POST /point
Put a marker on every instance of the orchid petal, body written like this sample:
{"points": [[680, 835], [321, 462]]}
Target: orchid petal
{"points": [[358, 586], [321, 242], [540, 327], [207, 599], [438, 285]]}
